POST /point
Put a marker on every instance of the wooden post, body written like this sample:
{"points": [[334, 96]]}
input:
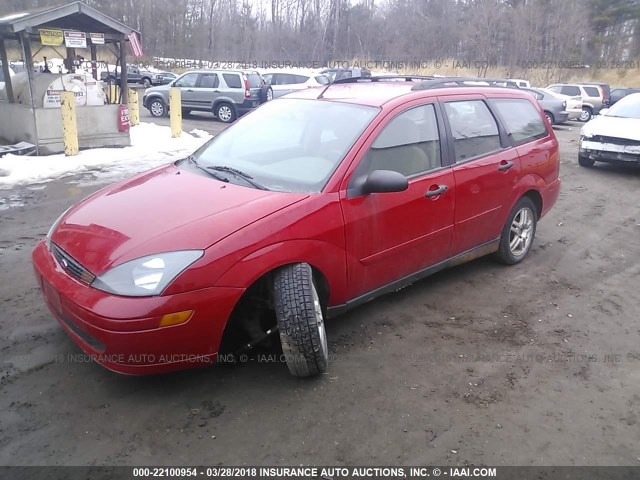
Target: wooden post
{"points": [[69, 125], [94, 60], [175, 112], [123, 69], [5, 69], [134, 107]]}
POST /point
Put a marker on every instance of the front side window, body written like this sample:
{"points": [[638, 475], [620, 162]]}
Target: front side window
{"points": [[475, 132], [522, 121], [188, 80], [409, 144], [291, 145]]}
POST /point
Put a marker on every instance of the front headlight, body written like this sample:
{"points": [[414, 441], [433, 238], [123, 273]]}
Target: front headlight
{"points": [[146, 276], [54, 226]]}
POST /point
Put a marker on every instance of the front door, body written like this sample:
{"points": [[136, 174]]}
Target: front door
{"points": [[187, 85], [390, 236]]}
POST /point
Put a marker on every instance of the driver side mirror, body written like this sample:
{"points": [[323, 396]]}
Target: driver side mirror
{"points": [[385, 181]]}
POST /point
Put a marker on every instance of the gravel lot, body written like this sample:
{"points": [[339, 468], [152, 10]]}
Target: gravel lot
{"points": [[536, 364]]}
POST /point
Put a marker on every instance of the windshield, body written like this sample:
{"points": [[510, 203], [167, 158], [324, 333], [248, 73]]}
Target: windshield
{"points": [[628, 107], [288, 145]]}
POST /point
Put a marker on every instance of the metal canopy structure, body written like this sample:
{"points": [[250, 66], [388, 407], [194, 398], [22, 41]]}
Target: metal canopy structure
{"points": [[24, 27], [73, 16]]}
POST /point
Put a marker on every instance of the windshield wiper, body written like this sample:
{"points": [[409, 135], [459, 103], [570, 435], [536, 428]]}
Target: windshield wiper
{"points": [[238, 173], [215, 175]]}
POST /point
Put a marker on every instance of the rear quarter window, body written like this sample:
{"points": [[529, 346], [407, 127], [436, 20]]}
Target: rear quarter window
{"points": [[522, 121], [232, 80], [592, 91]]}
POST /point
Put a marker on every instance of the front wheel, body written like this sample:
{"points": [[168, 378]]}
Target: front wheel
{"points": [[146, 83], [269, 94], [225, 112], [518, 232], [585, 161], [157, 108], [549, 116], [300, 320]]}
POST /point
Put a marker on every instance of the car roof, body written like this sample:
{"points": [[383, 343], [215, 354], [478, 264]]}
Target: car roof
{"points": [[377, 94]]}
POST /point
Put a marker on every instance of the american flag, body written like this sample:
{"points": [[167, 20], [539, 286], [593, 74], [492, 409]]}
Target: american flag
{"points": [[135, 45]]}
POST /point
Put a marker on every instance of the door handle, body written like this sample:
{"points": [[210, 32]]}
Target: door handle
{"points": [[189, 90], [216, 91], [438, 191], [505, 165]]}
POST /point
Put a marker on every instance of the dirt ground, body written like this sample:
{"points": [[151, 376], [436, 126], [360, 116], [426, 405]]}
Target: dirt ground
{"points": [[537, 364]]}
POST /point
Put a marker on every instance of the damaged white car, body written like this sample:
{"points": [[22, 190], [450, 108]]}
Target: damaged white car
{"points": [[614, 135]]}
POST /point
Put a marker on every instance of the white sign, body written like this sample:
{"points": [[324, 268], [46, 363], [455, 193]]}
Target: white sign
{"points": [[75, 39], [97, 38]]}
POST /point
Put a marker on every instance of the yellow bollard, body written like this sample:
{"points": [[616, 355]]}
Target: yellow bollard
{"points": [[114, 93], [134, 107], [69, 125], [175, 111]]}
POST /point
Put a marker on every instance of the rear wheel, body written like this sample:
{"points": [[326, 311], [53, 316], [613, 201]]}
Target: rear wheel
{"points": [[225, 112], [300, 320], [518, 232], [146, 83], [586, 114], [269, 94], [585, 161]]}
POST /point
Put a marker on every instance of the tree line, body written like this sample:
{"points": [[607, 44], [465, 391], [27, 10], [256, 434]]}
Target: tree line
{"points": [[516, 34]]}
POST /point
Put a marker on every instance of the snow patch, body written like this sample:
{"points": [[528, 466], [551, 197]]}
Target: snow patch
{"points": [[151, 146]]}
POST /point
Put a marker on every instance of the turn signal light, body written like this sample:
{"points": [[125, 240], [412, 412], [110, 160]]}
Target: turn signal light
{"points": [[175, 318]]}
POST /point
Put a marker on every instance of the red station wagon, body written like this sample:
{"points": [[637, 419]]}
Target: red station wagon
{"points": [[302, 210]]}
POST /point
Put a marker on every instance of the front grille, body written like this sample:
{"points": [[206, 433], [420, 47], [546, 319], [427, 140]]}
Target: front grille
{"points": [[614, 140], [71, 266]]}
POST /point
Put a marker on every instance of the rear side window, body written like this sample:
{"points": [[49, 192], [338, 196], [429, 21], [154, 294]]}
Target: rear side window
{"points": [[209, 80], [570, 90], [300, 78], [521, 120], [232, 80], [592, 91], [475, 132]]}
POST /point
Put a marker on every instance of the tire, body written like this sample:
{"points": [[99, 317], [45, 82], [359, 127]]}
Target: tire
{"points": [[300, 320], [157, 108], [586, 114], [185, 111], [585, 161], [225, 112], [550, 117], [512, 251], [146, 82], [269, 95]]}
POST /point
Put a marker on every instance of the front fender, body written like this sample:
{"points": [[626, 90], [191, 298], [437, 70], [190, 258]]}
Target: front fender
{"points": [[327, 258]]}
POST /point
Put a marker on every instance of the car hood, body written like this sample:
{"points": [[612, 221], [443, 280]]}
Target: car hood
{"points": [[158, 88], [166, 209], [604, 125]]}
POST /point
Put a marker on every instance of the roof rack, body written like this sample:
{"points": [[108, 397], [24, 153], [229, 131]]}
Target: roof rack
{"points": [[385, 78], [438, 82]]}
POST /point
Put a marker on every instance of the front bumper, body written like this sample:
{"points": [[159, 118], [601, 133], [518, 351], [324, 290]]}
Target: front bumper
{"points": [[610, 152], [123, 333]]}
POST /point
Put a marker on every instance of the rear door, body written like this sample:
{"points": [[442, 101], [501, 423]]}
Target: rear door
{"points": [[233, 87], [486, 170], [390, 236], [207, 91]]}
